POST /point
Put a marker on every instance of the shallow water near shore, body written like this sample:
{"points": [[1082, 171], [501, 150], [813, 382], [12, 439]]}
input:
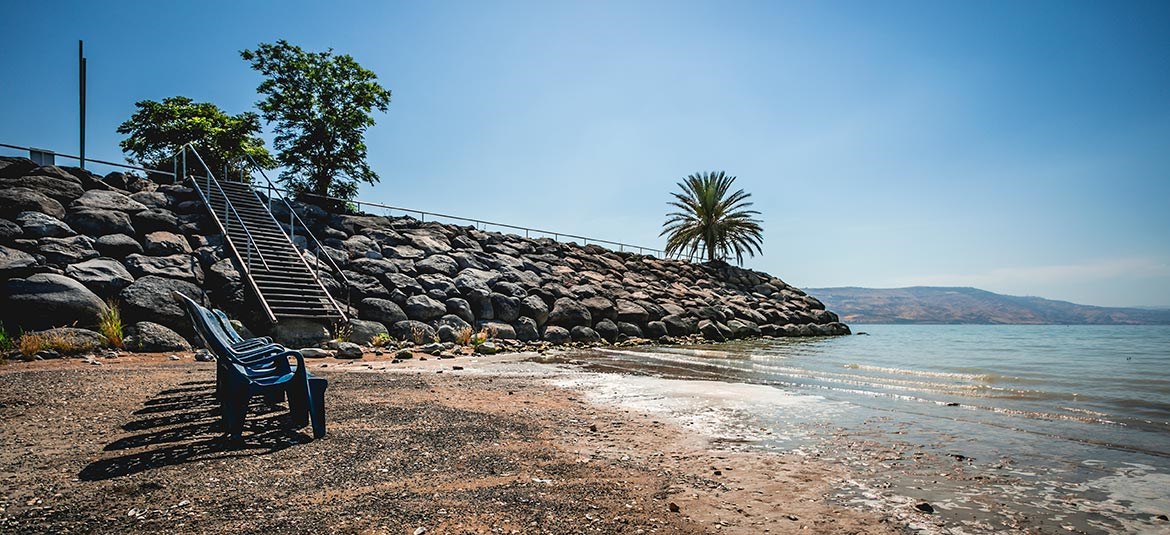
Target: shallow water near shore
{"points": [[1043, 429]]}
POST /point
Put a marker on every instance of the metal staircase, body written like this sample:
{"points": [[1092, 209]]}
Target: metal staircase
{"points": [[286, 285]]}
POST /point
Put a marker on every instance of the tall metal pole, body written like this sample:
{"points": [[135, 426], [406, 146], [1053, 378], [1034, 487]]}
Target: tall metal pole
{"points": [[81, 94]]}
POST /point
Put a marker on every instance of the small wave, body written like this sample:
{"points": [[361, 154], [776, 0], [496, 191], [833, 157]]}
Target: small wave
{"points": [[983, 377]]}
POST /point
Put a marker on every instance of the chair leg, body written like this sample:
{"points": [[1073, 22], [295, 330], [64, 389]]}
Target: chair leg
{"points": [[274, 397], [239, 411], [298, 403], [317, 386]]}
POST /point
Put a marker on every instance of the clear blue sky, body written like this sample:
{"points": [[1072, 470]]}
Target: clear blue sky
{"points": [[1020, 147]]}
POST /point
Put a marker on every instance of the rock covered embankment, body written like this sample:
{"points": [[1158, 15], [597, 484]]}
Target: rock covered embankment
{"points": [[70, 240]]}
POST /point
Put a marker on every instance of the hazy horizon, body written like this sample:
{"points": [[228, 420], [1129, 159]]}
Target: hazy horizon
{"points": [[1022, 149]]}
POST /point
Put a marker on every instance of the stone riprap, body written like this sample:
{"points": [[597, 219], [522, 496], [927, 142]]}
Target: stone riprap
{"points": [[83, 239]]}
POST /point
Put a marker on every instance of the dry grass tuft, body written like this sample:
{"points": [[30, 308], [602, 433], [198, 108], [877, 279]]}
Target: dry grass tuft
{"points": [[110, 323]]}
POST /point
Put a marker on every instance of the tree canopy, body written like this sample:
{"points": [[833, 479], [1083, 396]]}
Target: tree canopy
{"points": [[322, 105], [157, 129], [711, 220]]}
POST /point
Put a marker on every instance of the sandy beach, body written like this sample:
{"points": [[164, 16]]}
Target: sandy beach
{"points": [[480, 445]]}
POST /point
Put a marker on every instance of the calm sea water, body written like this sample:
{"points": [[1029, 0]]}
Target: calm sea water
{"points": [[1037, 428]]}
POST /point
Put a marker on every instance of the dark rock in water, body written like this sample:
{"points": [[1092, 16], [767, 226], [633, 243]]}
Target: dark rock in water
{"points": [[46, 300], [349, 350], [64, 251], [117, 246], [9, 231], [381, 310], [679, 325], [155, 220], [655, 330], [556, 335], [100, 222], [526, 329], [151, 298], [925, 507], [38, 225], [581, 333], [106, 200], [151, 337], [569, 313], [505, 307], [105, 276], [534, 307], [58, 189], [413, 331], [299, 332], [423, 308], [15, 200], [16, 263], [162, 243], [711, 331], [180, 266], [363, 331], [74, 340], [460, 307], [607, 329]]}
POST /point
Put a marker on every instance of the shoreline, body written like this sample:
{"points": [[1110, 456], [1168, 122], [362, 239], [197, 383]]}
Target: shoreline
{"points": [[480, 447]]}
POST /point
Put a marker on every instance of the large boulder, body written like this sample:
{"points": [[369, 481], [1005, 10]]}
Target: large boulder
{"points": [[413, 331], [556, 335], [607, 329], [100, 222], [64, 251], [117, 246], [46, 300], [15, 166], [534, 307], [423, 308], [440, 264], [300, 332], [456, 323], [162, 243], [105, 276], [39, 225], [460, 307], [679, 325], [152, 199], [569, 313], [655, 330], [106, 200], [505, 307], [14, 200], [151, 337], [16, 263], [631, 312], [381, 310], [151, 298], [711, 330], [9, 231], [58, 189], [180, 266], [600, 308], [526, 329], [155, 219], [584, 334], [499, 330], [363, 331]]}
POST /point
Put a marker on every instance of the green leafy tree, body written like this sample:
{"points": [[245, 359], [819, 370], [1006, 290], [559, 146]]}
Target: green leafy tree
{"points": [[711, 221], [322, 105], [158, 129]]}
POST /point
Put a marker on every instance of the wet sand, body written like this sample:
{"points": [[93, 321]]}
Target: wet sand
{"points": [[132, 446]]}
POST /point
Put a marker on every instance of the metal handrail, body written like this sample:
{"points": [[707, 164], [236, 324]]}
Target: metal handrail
{"points": [[87, 159], [210, 179], [293, 218], [556, 235]]}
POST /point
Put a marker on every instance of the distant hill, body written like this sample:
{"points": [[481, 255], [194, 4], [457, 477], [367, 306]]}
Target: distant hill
{"points": [[928, 304]]}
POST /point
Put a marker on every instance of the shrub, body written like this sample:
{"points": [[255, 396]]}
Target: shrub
{"points": [[6, 343], [381, 340], [110, 323], [418, 335], [30, 343], [342, 332], [463, 336]]}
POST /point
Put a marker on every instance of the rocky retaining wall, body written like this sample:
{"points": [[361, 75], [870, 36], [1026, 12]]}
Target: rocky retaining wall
{"points": [[70, 241]]}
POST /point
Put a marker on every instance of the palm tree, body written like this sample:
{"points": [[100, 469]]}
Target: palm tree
{"points": [[710, 219]]}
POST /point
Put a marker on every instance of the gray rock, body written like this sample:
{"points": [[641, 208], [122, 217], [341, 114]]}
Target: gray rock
{"points": [[349, 350], [711, 331], [406, 283], [505, 308], [499, 330], [423, 308], [435, 282], [629, 329], [58, 189], [105, 276], [64, 251], [151, 298], [381, 310], [679, 325], [631, 312], [299, 332], [607, 329], [569, 313], [155, 220], [78, 340], [440, 264], [151, 199], [15, 263], [475, 280], [162, 243], [456, 323], [584, 334], [117, 246], [487, 348], [363, 331], [100, 222], [180, 266], [9, 231], [534, 307], [447, 334], [600, 308], [46, 300], [13, 201], [460, 307], [404, 252], [15, 166], [413, 331], [315, 353], [655, 330], [151, 337], [556, 335], [39, 225], [106, 200], [526, 329]]}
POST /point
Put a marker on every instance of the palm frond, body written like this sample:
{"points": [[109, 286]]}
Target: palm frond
{"points": [[710, 220]]}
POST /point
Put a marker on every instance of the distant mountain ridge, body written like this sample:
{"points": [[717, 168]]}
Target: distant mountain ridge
{"points": [[946, 305]]}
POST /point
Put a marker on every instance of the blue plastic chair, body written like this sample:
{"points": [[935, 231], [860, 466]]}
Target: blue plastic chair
{"points": [[264, 370]]}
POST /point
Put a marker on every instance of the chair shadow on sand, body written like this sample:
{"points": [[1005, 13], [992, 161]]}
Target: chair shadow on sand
{"points": [[182, 425]]}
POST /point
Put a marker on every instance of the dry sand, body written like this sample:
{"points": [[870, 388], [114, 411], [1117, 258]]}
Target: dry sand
{"points": [[133, 446]]}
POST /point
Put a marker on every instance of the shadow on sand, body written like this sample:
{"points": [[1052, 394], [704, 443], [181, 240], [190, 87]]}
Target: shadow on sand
{"points": [[182, 425]]}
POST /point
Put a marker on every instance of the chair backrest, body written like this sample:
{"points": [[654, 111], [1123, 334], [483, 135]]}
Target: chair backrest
{"points": [[206, 327], [226, 325]]}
